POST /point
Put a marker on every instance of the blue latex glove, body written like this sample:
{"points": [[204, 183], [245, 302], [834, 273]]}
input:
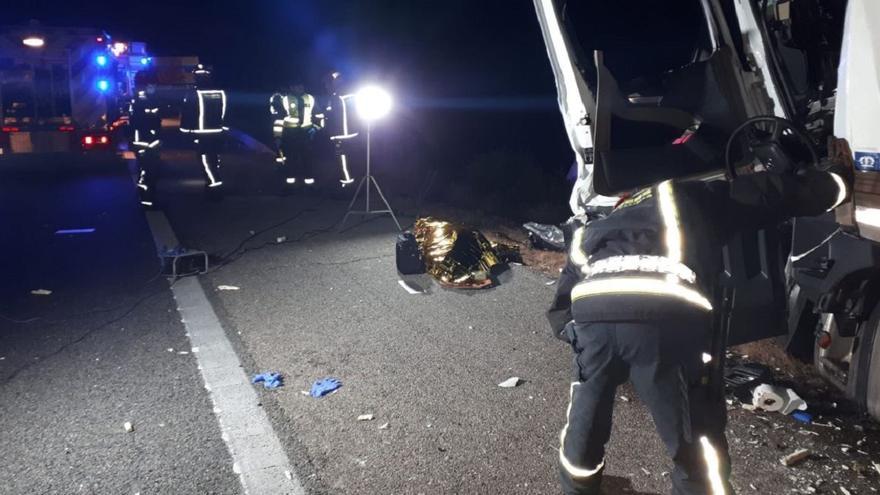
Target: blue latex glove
{"points": [[324, 386], [802, 417], [270, 380]]}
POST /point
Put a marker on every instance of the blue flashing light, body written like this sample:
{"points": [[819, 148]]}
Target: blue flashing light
{"points": [[101, 60], [145, 61], [103, 85]]}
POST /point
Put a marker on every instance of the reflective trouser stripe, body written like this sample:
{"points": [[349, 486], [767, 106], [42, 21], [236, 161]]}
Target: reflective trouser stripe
{"points": [[640, 286], [713, 467], [346, 177], [210, 175], [570, 468]]}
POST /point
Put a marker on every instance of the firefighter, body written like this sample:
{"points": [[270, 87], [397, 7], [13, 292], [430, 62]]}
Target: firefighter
{"points": [[634, 302], [337, 112], [277, 112], [146, 123], [204, 110], [300, 123]]}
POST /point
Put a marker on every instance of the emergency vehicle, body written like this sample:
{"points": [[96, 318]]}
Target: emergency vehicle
{"points": [[64, 88]]}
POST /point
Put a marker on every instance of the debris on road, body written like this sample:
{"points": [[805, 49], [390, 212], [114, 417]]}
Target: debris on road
{"points": [[546, 237], [280, 239], [624, 398], [802, 417], [384, 426], [228, 287], [365, 417], [41, 292], [510, 382], [845, 491], [795, 457], [549, 283], [270, 379], [745, 376], [324, 386], [772, 398], [409, 288], [128, 427]]}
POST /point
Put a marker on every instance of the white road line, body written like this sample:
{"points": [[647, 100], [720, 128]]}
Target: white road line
{"points": [[257, 455]]}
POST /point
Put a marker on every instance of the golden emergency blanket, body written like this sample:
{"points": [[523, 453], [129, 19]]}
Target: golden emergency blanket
{"points": [[455, 256]]}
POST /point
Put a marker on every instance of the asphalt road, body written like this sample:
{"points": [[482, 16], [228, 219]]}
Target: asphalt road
{"points": [[315, 302], [312, 302], [101, 350]]}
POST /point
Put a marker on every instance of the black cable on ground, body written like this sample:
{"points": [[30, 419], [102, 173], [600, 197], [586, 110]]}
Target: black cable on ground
{"points": [[130, 309], [74, 316], [240, 250]]}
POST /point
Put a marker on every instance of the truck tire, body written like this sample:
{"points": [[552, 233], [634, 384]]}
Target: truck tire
{"points": [[867, 365]]}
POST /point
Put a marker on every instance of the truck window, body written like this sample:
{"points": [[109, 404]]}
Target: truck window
{"points": [[640, 38]]}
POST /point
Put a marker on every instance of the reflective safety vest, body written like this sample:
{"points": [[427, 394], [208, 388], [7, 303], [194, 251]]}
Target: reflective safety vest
{"points": [[301, 112]]}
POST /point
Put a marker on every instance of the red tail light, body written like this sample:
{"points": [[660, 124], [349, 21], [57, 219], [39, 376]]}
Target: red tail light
{"points": [[10, 129], [88, 140], [104, 140], [66, 128]]}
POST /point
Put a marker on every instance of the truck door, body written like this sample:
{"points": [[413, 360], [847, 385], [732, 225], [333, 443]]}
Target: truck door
{"points": [[671, 119]]}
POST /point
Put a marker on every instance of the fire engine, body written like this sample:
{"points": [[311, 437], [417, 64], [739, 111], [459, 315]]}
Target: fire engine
{"points": [[64, 88]]}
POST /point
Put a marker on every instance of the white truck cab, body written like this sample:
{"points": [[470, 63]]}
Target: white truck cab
{"points": [[696, 88]]}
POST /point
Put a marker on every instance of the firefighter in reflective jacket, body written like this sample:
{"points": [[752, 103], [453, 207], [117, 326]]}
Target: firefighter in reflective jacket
{"points": [[204, 110], [299, 125], [635, 302], [337, 112], [146, 124]]}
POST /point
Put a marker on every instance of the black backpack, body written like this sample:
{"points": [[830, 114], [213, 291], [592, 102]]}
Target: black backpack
{"points": [[409, 257]]}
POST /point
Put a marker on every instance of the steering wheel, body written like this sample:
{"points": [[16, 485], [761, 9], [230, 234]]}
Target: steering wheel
{"points": [[764, 137]]}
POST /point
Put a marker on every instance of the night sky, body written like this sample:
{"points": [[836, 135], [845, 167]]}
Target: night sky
{"points": [[454, 48]]}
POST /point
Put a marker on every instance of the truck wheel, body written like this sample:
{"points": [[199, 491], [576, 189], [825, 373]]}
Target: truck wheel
{"points": [[867, 366]]}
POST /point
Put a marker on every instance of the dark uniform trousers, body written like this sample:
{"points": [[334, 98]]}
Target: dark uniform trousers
{"points": [[148, 161], [664, 361], [297, 147]]}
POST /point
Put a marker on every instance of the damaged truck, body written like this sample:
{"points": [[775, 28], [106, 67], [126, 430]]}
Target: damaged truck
{"points": [[697, 88]]}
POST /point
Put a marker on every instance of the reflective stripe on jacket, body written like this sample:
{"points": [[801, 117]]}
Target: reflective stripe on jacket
{"points": [[658, 253]]}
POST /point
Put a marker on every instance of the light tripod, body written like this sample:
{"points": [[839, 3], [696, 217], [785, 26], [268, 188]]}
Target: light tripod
{"points": [[368, 181]]}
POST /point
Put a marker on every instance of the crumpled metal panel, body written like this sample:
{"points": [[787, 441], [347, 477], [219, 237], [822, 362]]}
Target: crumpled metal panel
{"points": [[455, 256]]}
